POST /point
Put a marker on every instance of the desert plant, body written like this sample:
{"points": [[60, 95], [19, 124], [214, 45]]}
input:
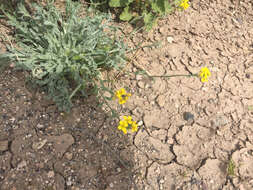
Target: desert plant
{"points": [[147, 10], [64, 53]]}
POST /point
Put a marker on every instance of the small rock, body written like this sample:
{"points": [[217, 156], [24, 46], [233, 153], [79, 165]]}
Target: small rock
{"points": [[138, 77], [188, 116], [147, 86], [21, 165], [40, 126], [140, 123], [69, 155], [69, 183], [50, 174], [118, 169], [219, 121], [170, 39], [111, 185], [164, 29], [161, 100], [141, 84], [3, 145], [39, 145]]}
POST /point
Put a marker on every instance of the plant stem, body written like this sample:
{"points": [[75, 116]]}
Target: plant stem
{"points": [[108, 105], [170, 76], [74, 92]]}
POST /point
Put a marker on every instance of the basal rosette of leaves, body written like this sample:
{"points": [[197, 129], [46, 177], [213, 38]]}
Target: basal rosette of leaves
{"points": [[64, 53]]}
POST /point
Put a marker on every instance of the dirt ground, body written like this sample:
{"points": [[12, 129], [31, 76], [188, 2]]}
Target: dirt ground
{"points": [[192, 135]]}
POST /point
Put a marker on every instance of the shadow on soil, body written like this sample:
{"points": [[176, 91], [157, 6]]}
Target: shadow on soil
{"points": [[42, 148]]}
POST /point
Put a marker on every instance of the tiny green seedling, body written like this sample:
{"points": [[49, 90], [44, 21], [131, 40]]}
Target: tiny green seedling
{"points": [[231, 168]]}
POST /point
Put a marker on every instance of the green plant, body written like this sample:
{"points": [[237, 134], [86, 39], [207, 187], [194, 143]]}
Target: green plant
{"points": [[147, 10], [231, 168], [64, 53], [7, 6]]}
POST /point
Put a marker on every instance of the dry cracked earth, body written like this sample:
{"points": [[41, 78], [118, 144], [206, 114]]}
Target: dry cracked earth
{"points": [[192, 135]]}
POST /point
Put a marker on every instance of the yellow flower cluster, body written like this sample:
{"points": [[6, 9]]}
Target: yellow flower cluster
{"points": [[122, 95], [126, 124], [184, 4], [204, 74]]}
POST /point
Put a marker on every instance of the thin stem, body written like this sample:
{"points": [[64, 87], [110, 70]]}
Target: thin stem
{"points": [[74, 92], [170, 76], [149, 46], [108, 105]]}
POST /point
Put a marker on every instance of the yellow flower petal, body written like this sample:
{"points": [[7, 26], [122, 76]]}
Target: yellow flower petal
{"points": [[204, 74], [129, 120], [134, 127], [127, 124], [122, 91], [122, 95], [121, 101], [204, 79], [124, 130], [184, 4]]}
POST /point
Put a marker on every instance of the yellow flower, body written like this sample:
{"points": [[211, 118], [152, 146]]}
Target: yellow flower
{"points": [[134, 126], [122, 95], [204, 74], [123, 123], [128, 119], [184, 4], [122, 128], [126, 124]]}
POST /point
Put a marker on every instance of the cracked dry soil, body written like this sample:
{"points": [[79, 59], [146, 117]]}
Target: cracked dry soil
{"points": [[190, 130]]}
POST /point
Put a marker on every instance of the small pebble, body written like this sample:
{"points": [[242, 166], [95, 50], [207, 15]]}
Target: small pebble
{"points": [[138, 77], [141, 84], [118, 169], [50, 174], [40, 126], [69, 155], [111, 185], [170, 39], [188, 116], [140, 123]]}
